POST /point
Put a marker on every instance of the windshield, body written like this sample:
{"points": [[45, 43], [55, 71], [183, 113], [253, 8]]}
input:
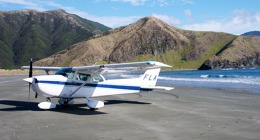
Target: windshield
{"points": [[66, 72]]}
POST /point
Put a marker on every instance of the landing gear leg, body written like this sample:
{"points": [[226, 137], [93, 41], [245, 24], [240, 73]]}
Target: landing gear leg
{"points": [[48, 99], [65, 102]]}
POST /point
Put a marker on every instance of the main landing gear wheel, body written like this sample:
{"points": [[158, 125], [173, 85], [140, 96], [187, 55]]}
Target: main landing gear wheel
{"points": [[65, 102], [95, 104], [93, 109]]}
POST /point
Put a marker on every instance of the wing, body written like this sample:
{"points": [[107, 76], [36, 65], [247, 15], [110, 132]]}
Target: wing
{"points": [[46, 69], [121, 67], [41, 68]]}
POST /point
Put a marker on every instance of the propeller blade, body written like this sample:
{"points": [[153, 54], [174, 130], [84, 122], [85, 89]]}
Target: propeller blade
{"points": [[30, 79], [29, 92], [30, 70], [30, 75]]}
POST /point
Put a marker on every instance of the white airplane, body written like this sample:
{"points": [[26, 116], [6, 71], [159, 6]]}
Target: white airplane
{"points": [[70, 83]]}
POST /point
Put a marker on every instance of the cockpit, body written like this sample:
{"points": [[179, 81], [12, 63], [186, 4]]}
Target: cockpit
{"points": [[71, 74]]}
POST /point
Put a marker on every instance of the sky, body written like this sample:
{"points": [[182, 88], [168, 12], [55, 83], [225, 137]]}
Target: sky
{"points": [[230, 16]]}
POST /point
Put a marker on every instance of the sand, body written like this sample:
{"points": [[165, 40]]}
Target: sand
{"points": [[184, 113]]}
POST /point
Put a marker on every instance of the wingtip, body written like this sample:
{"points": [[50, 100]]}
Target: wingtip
{"points": [[157, 64]]}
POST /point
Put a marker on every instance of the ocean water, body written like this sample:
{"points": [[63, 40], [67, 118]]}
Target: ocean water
{"points": [[244, 79]]}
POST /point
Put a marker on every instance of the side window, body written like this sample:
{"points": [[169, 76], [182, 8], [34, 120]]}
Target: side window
{"points": [[84, 77], [97, 78]]}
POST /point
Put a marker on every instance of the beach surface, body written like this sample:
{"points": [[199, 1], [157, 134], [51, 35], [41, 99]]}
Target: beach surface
{"points": [[184, 113]]}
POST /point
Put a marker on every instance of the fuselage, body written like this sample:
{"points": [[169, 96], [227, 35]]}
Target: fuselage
{"points": [[63, 87]]}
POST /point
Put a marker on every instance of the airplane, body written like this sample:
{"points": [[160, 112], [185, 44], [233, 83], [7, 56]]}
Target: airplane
{"points": [[69, 83]]}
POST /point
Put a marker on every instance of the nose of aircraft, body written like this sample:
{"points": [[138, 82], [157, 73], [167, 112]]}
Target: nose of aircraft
{"points": [[29, 80]]}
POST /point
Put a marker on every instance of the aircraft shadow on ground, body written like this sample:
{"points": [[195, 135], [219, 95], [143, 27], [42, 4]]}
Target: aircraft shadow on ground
{"points": [[76, 109], [112, 102]]}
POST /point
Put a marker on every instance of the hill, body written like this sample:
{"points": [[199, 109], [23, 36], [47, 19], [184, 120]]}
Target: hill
{"points": [[251, 33], [30, 33], [243, 52], [148, 39]]}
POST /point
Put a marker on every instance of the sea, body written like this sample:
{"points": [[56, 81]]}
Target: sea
{"points": [[238, 79]]}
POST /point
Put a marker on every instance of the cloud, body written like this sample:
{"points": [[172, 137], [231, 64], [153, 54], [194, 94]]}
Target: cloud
{"points": [[187, 13], [26, 3], [160, 3], [169, 20], [113, 21], [242, 21], [187, 2], [110, 21], [133, 2]]}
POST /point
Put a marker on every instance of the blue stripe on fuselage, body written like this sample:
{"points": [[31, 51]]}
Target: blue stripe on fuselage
{"points": [[91, 85]]}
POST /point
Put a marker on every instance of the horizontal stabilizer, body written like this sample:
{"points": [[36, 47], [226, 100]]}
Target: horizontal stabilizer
{"points": [[156, 87]]}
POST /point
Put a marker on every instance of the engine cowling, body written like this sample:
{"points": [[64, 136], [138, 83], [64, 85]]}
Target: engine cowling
{"points": [[95, 104]]}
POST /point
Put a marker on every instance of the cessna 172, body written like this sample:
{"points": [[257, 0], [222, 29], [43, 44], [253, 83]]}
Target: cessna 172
{"points": [[69, 83]]}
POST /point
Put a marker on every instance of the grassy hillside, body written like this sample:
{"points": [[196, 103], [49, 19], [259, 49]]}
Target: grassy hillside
{"points": [[146, 39], [31, 34], [181, 58], [243, 52]]}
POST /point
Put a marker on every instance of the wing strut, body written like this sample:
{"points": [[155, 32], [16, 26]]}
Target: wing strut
{"points": [[83, 84]]}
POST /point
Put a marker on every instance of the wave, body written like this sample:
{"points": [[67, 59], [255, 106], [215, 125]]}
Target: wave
{"points": [[204, 76], [242, 80], [223, 76]]}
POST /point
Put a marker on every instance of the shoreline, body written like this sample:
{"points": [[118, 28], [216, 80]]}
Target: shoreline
{"points": [[237, 90]]}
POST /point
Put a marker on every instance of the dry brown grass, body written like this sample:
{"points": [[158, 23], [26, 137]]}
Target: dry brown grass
{"points": [[19, 72]]}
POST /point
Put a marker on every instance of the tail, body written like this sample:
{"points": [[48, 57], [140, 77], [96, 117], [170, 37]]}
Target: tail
{"points": [[149, 79]]}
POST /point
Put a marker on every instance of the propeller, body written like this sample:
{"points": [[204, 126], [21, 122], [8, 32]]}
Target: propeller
{"points": [[30, 75]]}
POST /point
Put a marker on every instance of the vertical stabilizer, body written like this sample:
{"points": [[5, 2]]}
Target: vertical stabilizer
{"points": [[150, 77]]}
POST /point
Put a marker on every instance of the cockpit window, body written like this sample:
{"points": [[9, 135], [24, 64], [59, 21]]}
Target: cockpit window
{"points": [[66, 72], [70, 74], [84, 77]]}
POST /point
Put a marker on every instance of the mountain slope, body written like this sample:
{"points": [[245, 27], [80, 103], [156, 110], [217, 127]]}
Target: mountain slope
{"points": [[243, 52], [30, 33], [147, 39], [251, 33]]}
